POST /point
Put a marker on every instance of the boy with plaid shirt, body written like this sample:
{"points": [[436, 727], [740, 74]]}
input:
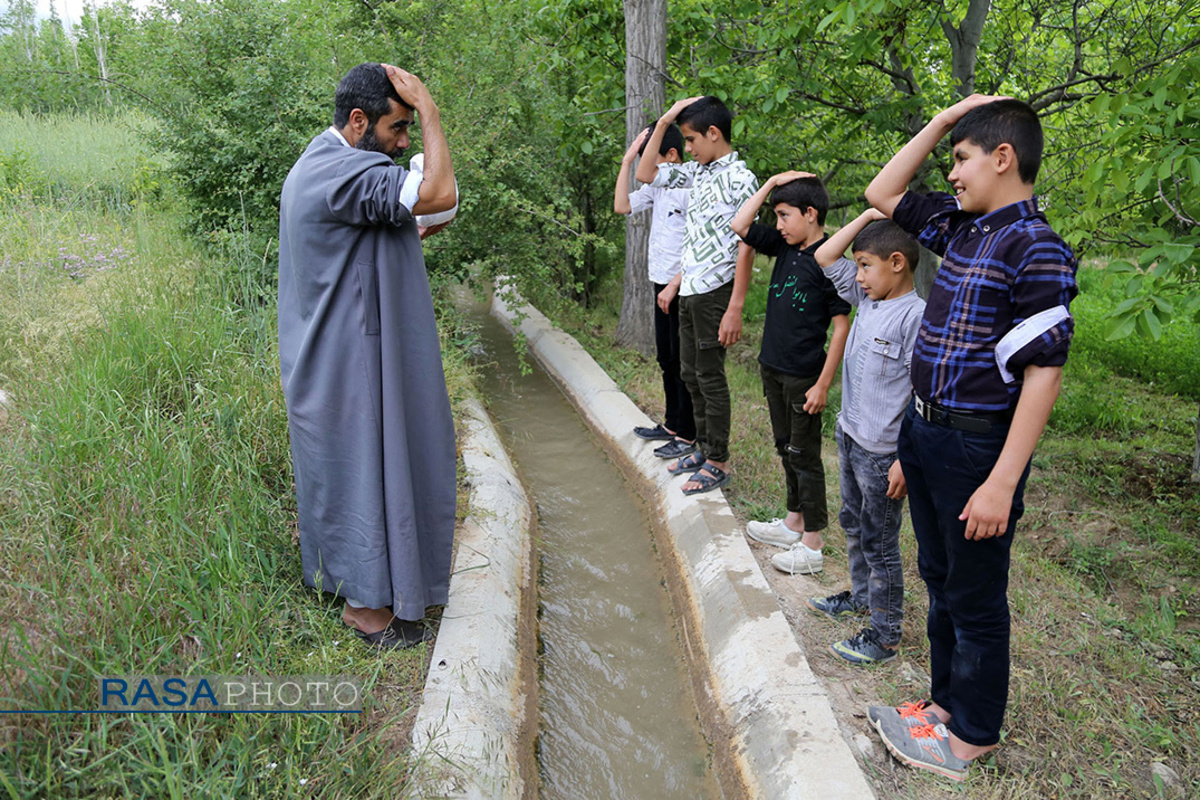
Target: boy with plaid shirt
{"points": [[986, 370]]}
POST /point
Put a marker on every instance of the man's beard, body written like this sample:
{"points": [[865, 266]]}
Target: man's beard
{"points": [[370, 142]]}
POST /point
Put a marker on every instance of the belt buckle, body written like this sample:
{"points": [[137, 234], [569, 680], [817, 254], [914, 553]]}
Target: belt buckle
{"points": [[922, 408]]}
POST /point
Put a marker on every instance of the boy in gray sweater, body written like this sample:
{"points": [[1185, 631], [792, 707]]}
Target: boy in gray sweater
{"points": [[876, 389]]}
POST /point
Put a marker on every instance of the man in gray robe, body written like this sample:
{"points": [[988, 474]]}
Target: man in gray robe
{"points": [[371, 432]]}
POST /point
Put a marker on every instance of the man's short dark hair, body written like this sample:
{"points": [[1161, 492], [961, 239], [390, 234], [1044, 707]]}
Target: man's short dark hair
{"points": [[1000, 122], [883, 237], [803, 193], [365, 87], [705, 113], [672, 140]]}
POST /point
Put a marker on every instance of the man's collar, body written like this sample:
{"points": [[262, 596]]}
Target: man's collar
{"points": [[338, 134]]}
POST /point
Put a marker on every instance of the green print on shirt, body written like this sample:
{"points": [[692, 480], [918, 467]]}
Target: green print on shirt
{"points": [[797, 295]]}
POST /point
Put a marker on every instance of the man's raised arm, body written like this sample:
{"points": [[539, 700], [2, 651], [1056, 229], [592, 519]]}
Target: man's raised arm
{"points": [[437, 192]]}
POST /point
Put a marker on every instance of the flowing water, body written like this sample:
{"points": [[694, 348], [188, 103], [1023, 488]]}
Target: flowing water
{"points": [[617, 717]]}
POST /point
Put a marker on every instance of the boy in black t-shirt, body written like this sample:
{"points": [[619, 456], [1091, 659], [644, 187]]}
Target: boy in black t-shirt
{"points": [[796, 371]]}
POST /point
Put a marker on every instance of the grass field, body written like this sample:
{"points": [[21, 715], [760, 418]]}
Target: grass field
{"points": [[1105, 583], [146, 514]]}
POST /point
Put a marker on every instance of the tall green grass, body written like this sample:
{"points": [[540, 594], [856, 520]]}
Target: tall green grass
{"points": [[146, 512]]}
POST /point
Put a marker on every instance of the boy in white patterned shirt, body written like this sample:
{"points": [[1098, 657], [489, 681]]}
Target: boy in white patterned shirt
{"points": [[713, 277]]}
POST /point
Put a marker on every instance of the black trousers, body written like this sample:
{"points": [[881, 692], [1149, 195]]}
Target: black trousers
{"points": [[678, 416], [969, 623]]}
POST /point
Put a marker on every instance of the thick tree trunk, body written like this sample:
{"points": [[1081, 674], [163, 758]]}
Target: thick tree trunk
{"points": [[645, 94], [1196, 454], [964, 44]]}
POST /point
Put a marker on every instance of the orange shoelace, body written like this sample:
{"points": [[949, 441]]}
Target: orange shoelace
{"points": [[913, 710], [929, 731]]}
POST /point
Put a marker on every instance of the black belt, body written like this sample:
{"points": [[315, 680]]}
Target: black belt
{"points": [[973, 423]]}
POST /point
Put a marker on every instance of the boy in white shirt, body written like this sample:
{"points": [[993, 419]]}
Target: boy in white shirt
{"points": [[667, 198]]}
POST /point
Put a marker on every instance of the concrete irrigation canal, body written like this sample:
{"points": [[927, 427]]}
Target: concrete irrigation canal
{"points": [[607, 637]]}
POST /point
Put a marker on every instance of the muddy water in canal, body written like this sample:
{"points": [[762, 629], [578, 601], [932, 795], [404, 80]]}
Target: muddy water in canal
{"points": [[617, 717]]}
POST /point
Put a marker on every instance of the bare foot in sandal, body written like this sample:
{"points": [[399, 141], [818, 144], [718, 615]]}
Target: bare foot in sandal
{"points": [[711, 476], [687, 465]]}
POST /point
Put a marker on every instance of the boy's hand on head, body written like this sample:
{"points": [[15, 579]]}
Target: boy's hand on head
{"points": [[987, 511], [897, 487], [789, 176], [635, 145], [815, 399], [675, 110], [874, 215], [957, 111]]}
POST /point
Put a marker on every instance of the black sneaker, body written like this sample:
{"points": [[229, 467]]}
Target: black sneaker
{"points": [[838, 606]]}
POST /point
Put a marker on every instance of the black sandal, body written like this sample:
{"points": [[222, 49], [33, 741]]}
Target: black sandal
{"points": [[688, 464], [709, 478], [676, 448]]}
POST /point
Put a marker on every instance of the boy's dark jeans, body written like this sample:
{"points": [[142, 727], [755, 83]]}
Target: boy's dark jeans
{"points": [[702, 366], [678, 415], [968, 621], [798, 442], [871, 521]]}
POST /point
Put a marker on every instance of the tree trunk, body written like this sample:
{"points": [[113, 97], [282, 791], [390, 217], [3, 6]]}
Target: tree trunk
{"points": [[645, 94], [1196, 454], [964, 44]]}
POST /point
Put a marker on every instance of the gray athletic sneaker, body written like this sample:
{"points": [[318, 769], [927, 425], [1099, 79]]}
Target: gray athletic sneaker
{"points": [[864, 648], [836, 605], [909, 713], [925, 746]]}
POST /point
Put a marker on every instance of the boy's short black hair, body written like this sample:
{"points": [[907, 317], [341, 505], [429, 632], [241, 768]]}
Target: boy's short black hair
{"points": [[672, 140], [883, 237], [803, 193], [365, 87], [1000, 122], [705, 113]]}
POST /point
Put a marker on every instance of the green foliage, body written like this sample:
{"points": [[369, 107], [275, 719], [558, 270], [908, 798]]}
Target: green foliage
{"points": [[144, 477], [1169, 363], [243, 90], [1146, 198]]}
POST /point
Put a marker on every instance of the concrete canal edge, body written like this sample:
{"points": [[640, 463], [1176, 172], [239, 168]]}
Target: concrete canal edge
{"points": [[766, 714], [474, 732], [774, 721]]}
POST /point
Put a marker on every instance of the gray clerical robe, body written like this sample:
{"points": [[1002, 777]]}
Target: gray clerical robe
{"points": [[371, 431]]}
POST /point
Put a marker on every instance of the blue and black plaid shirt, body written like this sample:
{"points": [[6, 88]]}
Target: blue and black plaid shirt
{"points": [[998, 270]]}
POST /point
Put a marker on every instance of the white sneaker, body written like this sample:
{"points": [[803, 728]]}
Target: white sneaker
{"points": [[799, 560], [774, 533]]}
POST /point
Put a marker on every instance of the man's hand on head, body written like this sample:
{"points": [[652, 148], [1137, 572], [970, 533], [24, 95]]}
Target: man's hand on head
{"points": [[410, 88]]}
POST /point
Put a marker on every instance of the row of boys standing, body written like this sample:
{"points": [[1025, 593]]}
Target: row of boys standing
{"points": [[985, 357]]}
